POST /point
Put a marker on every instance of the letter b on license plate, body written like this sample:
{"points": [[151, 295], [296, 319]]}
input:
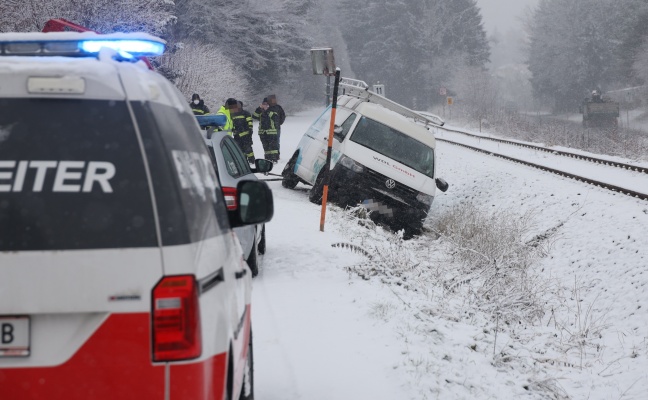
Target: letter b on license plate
{"points": [[14, 336]]}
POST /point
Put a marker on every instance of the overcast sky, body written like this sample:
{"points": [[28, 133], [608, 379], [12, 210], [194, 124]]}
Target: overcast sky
{"points": [[503, 14]]}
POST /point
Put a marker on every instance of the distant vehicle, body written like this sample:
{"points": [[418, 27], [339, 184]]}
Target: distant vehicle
{"points": [[599, 112], [383, 158], [232, 167], [120, 275]]}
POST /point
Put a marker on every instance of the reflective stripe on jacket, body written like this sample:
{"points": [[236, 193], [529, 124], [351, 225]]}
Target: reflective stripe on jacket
{"points": [[228, 125], [242, 123], [269, 123]]}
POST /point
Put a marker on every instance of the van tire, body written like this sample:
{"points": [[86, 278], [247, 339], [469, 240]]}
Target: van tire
{"points": [[229, 383], [253, 259], [317, 191], [248, 377], [262, 242], [290, 180]]}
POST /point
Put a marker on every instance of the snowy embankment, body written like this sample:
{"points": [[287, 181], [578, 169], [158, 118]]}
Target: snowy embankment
{"points": [[379, 318]]}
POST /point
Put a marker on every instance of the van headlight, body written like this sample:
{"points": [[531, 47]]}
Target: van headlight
{"points": [[425, 198], [351, 164]]}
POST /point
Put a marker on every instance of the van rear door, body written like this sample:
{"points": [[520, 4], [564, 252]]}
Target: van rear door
{"points": [[79, 251]]}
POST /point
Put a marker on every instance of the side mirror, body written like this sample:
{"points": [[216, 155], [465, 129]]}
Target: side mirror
{"points": [[261, 165], [441, 184], [254, 204], [337, 132]]}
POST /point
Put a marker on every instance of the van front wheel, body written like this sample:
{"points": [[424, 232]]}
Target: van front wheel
{"points": [[290, 180], [317, 191]]}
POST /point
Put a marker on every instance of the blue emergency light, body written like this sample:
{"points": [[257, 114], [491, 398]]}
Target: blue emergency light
{"points": [[85, 44], [136, 48]]}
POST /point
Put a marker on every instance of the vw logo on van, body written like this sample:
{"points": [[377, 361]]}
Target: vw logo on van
{"points": [[390, 183]]}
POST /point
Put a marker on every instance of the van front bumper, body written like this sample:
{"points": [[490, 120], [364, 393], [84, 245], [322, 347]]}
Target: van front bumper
{"points": [[390, 201]]}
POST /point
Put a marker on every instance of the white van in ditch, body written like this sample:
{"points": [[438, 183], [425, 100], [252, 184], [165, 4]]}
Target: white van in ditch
{"points": [[383, 158]]}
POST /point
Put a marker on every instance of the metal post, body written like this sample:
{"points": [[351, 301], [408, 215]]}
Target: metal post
{"points": [[328, 90], [327, 165], [628, 117]]}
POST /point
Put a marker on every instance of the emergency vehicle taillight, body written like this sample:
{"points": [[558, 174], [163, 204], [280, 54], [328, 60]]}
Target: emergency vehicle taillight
{"points": [[230, 194], [176, 319]]}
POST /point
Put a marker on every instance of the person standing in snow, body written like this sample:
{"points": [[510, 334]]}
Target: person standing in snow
{"points": [[270, 115], [231, 105], [273, 106], [198, 105], [242, 131]]}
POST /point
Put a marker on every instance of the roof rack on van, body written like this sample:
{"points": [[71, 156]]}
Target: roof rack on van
{"points": [[360, 89]]}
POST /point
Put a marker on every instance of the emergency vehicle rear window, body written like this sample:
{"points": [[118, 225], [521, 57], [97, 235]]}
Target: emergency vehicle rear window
{"points": [[189, 200], [71, 177]]}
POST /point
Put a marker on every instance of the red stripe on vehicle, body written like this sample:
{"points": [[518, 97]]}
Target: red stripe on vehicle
{"points": [[115, 363], [205, 380]]}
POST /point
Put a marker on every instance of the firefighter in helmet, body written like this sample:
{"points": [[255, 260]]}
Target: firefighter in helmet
{"points": [[242, 131], [271, 116]]}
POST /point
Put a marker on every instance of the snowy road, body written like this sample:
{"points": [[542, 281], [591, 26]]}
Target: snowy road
{"points": [[322, 333]]}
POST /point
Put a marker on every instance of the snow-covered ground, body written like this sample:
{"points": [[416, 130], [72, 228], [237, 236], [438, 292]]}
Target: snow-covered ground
{"points": [[323, 332]]}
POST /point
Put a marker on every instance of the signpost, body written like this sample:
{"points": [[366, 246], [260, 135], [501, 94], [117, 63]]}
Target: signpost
{"points": [[379, 88], [324, 64], [450, 102]]}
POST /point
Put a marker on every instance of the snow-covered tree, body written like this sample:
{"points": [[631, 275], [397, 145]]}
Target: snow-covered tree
{"points": [[574, 48], [477, 90], [413, 46], [263, 40], [632, 50], [202, 68], [106, 16]]}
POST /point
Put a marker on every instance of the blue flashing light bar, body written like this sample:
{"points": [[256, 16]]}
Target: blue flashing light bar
{"points": [[128, 46], [135, 48]]}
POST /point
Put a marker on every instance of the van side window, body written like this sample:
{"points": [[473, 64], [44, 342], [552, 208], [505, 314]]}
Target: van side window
{"points": [[346, 126]]}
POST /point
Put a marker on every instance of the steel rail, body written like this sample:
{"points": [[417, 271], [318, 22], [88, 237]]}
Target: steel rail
{"points": [[618, 189], [635, 168]]}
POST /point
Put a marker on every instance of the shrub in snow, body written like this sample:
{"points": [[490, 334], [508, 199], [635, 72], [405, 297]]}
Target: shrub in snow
{"points": [[478, 267]]}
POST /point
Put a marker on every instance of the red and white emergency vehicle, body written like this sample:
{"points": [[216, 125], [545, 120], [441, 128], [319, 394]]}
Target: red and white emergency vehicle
{"points": [[120, 276]]}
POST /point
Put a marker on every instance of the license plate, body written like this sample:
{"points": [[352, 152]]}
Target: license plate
{"points": [[14, 336]]}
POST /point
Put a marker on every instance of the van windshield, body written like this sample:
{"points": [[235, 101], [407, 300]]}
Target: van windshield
{"points": [[395, 145]]}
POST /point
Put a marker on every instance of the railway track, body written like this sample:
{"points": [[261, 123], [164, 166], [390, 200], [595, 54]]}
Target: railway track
{"points": [[643, 170], [605, 185]]}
